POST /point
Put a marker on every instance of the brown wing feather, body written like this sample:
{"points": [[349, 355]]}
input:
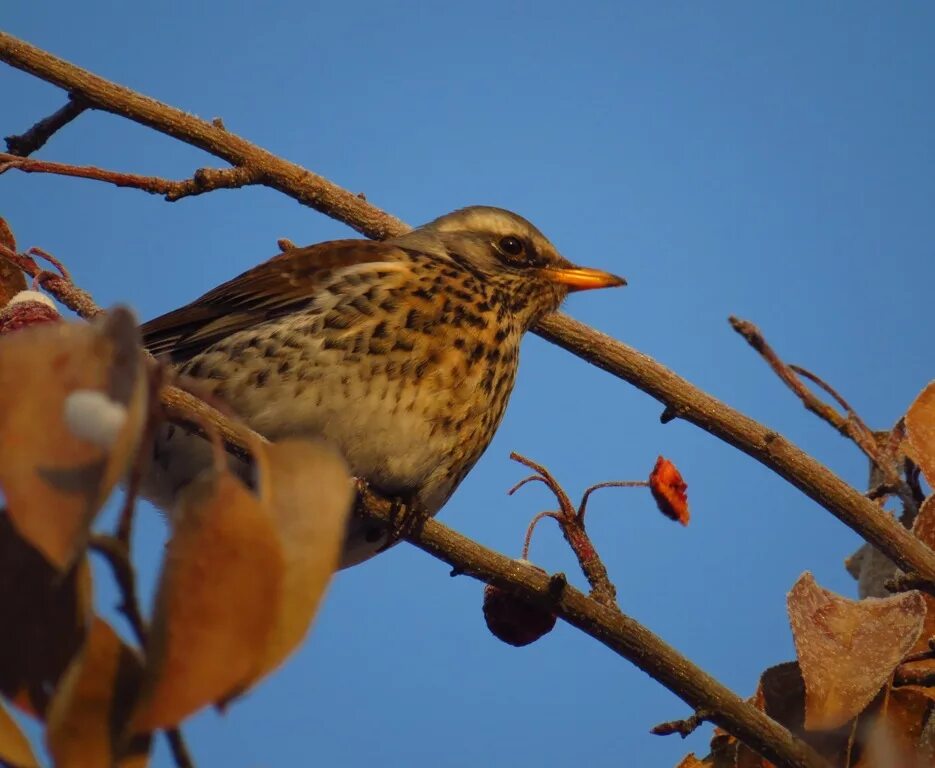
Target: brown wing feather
{"points": [[277, 286]]}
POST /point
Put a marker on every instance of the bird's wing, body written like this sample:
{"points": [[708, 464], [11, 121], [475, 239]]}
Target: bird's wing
{"points": [[278, 286]]}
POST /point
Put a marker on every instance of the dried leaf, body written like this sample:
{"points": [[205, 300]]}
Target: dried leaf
{"points": [[218, 595], [15, 750], [44, 615], [92, 704], [668, 489], [781, 695], [893, 736], [12, 279], [310, 494], [847, 649], [920, 431], [690, 761], [56, 472]]}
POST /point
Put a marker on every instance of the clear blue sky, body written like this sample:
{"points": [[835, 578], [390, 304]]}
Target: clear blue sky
{"points": [[770, 160]]}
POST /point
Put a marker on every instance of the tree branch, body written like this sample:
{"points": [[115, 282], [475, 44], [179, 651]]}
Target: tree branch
{"points": [[683, 400], [292, 179], [619, 632], [26, 143], [203, 180]]}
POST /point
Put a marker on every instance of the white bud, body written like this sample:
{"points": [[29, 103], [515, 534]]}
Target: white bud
{"points": [[93, 416], [24, 296]]}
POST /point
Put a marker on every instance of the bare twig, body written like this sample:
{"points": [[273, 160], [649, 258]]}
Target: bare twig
{"points": [[203, 180], [59, 285], [910, 676], [532, 527], [292, 179], [180, 753], [26, 143], [118, 557], [683, 728], [854, 429], [583, 505], [880, 451], [572, 526]]}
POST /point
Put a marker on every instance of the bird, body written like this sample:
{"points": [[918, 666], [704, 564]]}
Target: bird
{"points": [[400, 353]]}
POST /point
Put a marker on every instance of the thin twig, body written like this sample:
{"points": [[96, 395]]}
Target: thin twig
{"points": [[59, 286], [582, 507], [532, 527], [849, 424], [118, 557], [602, 588], [180, 753], [26, 143], [203, 180], [683, 728], [829, 389], [755, 339]]}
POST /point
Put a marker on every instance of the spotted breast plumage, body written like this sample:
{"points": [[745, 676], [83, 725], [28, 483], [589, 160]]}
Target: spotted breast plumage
{"points": [[401, 353]]}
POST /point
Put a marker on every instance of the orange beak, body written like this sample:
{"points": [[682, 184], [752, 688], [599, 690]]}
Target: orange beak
{"points": [[582, 278]]}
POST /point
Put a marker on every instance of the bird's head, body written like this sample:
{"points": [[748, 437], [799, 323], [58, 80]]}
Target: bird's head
{"points": [[504, 250]]}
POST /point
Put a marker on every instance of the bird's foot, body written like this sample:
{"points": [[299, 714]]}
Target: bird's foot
{"points": [[406, 516]]}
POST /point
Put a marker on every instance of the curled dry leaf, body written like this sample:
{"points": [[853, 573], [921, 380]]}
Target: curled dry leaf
{"points": [[243, 578], [55, 480], [848, 649], [218, 596], [44, 616], [924, 529], [310, 492], [92, 703], [15, 750], [669, 490], [920, 432]]}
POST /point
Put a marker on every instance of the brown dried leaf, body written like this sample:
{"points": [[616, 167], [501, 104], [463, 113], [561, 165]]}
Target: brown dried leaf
{"points": [[920, 431], [924, 529], [12, 279], [219, 594], [310, 493], [690, 761], [15, 749], [72, 406], [847, 649], [893, 735], [781, 695], [44, 617], [92, 704]]}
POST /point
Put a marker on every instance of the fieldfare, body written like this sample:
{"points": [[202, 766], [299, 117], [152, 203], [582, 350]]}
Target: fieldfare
{"points": [[401, 353]]}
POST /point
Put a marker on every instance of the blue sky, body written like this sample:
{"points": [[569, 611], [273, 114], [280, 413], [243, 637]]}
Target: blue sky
{"points": [[773, 161]]}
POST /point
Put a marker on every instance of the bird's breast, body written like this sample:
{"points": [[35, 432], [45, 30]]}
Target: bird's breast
{"points": [[408, 379]]}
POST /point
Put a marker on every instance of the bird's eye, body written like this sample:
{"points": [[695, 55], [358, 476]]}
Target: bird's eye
{"points": [[511, 246]]}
